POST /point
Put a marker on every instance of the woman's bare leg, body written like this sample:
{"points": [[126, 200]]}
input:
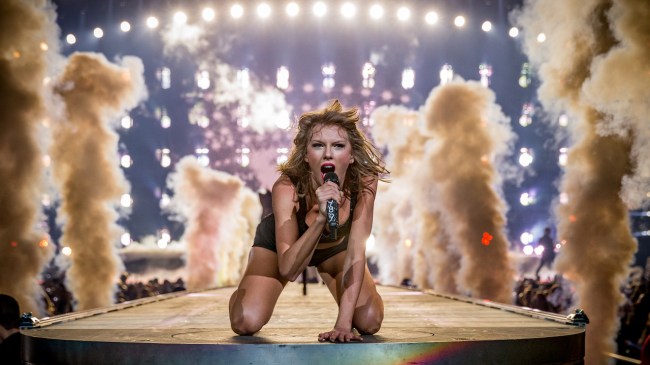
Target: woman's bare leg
{"points": [[369, 312], [251, 305]]}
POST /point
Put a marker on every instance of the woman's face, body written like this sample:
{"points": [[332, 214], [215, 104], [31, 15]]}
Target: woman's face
{"points": [[329, 145]]}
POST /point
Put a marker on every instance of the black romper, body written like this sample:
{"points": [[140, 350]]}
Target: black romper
{"points": [[265, 233]]}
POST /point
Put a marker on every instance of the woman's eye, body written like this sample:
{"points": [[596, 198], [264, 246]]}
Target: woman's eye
{"points": [[317, 145], [339, 145]]}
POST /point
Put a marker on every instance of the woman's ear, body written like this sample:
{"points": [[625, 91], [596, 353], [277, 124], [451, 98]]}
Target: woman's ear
{"points": [[351, 160]]}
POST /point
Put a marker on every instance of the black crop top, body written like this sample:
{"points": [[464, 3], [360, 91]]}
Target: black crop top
{"points": [[341, 229], [265, 233]]}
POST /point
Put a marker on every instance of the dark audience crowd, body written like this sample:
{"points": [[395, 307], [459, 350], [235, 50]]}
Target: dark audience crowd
{"points": [[59, 300], [556, 296]]}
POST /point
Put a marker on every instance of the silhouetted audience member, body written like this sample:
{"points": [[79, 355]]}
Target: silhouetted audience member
{"points": [[548, 256], [10, 341]]}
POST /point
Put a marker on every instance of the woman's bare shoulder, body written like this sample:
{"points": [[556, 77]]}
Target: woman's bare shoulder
{"points": [[283, 195], [283, 185]]}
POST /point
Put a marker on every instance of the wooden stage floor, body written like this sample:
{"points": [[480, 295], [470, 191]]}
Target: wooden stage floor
{"points": [[193, 328]]}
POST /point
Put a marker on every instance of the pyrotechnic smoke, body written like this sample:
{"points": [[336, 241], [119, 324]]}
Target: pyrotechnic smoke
{"points": [[29, 36], [220, 216], [445, 196], [595, 64], [471, 133], [397, 128], [182, 35], [259, 105], [86, 170], [262, 105]]}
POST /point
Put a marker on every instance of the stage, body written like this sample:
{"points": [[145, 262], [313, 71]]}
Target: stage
{"points": [[193, 328]]}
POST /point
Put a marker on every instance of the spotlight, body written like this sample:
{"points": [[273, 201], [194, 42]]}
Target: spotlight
{"points": [[292, 9], [431, 18], [403, 13], [525, 157], [446, 73], [125, 239], [541, 37], [263, 10], [562, 158], [513, 32], [236, 11], [152, 22], [208, 14], [126, 201], [180, 18], [526, 238], [98, 32], [486, 26], [348, 10], [125, 26], [71, 39], [282, 78], [126, 161], [319, 9], [126, 122], [408, 78], [376, 11], [459, 21]]}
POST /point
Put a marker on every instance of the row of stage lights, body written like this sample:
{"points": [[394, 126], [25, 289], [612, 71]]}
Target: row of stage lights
{"points": [[348, 11]]}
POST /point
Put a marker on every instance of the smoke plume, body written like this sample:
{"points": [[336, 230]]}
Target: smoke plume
{"points": [[220, 215], [24, 248], [471, 135], [594, 65], [86, 170], [398, 129], [445, 195]]}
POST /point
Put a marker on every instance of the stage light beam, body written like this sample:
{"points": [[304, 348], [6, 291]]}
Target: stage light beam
{"points": [[459, 21], [348, 10], [403, 14], [208, 14], [125, 26], [180, 18], [292, 9], [152, 22], [431, 18], [263, 11], [319, 9], [98, 32], [376, 11], [236, 11], [486, 26]]}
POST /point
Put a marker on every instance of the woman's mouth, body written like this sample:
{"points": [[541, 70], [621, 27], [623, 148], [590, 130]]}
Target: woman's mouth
{"points": [[325, 168]]}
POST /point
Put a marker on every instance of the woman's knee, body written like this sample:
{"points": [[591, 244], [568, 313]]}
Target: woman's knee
{"points": [[246, 324], [370, 321]]}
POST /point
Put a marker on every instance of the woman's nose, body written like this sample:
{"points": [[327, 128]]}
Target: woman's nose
{"points": [[328, 152]]}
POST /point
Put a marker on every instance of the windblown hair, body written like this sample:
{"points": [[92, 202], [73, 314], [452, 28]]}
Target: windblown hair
{"points": [[367, 159]]}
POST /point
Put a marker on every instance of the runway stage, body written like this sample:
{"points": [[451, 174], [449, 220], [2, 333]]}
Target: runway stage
{"points": [[193, 328]]}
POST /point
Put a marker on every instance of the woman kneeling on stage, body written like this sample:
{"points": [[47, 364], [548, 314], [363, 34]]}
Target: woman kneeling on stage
{"points": [[332, 168]]}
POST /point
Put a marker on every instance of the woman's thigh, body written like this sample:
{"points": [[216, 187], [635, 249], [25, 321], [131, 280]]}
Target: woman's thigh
{"points": [[251, 305]]}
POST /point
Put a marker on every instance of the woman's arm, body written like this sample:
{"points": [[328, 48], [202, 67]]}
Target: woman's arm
{"points": [[355, 262], [294, 251]]}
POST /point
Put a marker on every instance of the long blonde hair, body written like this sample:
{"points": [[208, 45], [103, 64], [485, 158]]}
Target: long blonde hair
{"points": [[368, 160]]}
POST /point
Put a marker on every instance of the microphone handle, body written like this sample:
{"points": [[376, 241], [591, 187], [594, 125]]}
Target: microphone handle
{"points": [[332, 217]]}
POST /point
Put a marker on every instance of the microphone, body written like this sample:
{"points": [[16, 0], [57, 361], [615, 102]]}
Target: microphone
{"points": [[332, 207]]}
